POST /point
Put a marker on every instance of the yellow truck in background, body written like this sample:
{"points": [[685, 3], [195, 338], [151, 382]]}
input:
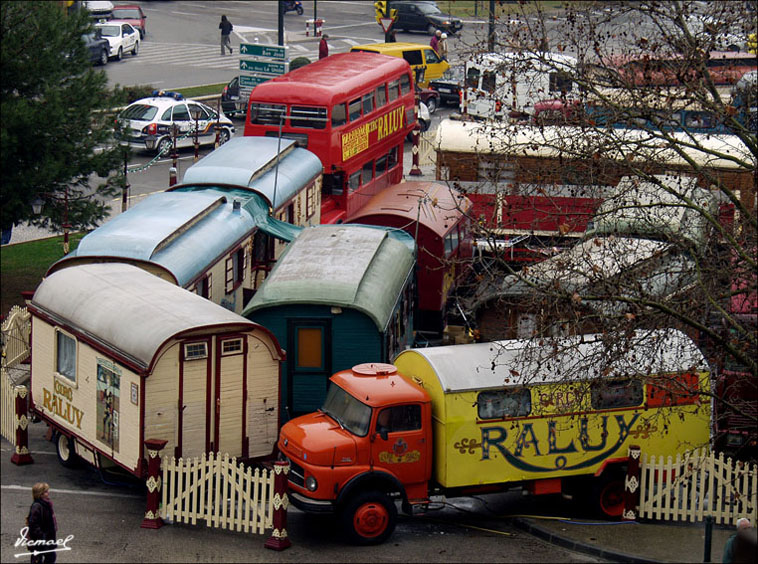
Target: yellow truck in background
{"points": [[551, 417]]}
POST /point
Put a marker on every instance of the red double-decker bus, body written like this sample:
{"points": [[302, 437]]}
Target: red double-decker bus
{"points": [[353, 110]]}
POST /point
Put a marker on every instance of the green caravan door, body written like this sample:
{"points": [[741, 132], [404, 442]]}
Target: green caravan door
{"points": [[309, 366]]}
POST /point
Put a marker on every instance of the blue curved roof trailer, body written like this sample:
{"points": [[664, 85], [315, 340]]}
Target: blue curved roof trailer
{"points": [[219, 239], [339, 295]]}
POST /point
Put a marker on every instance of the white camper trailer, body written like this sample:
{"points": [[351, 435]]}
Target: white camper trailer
{"points": [[120, 356]]}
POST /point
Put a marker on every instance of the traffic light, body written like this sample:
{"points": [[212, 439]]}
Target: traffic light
{"points": [[380, 7]]}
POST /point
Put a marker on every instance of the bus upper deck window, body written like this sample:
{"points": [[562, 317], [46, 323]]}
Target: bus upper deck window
{"points": [[368, 171], [472, 78], [392, 89], [368, 103], [339, 115], [355, 181], [308, 116], [355, 109], [267, 114], [488, 81], [381, 95], [405, 84]]}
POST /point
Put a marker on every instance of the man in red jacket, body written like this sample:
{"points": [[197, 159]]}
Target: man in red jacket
{"points": [[323, 48]]}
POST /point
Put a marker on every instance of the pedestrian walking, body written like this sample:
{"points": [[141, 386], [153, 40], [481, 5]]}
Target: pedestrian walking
{"points": [[226, 29], [42, 523], [733, 549], [323, 47], [442, 47], [434, 42]]}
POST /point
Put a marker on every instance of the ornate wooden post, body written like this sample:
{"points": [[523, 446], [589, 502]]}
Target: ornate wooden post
{"points": [[21, 456], [415, 170], [152, 518], [279, 539], [632, 485]]}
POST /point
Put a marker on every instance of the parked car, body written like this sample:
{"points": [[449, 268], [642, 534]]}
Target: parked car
{"points": [[123, 38], [133, 14], [99, 9], [449, 85], [97, 47], [429, 97], [147, 123], [424, 16]]}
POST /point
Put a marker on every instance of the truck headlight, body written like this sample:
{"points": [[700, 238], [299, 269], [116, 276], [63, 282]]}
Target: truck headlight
{"points": [[311, 484]]}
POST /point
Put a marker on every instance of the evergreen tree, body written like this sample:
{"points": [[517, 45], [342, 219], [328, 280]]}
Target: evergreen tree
{"points": [[53, 135]]}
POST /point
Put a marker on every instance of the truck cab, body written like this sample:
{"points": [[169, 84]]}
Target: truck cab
{"points": [[368, 445]]}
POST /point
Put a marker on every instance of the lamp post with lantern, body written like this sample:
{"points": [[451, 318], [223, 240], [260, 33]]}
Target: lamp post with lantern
{"points": [[39, 203]]}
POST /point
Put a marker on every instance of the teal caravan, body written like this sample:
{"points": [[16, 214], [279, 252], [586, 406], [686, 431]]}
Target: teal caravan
{"points": [[219, 233], [340, 295]]}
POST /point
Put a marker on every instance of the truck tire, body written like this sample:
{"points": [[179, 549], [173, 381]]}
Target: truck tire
{"points": [[369, 518], [64, 447], [608, 495]]}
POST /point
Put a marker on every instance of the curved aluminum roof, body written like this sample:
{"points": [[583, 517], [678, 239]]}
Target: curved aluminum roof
{"points": [[251, 162], [183, 232], [518, 362], [351, 266], [432, 204], [126, 308]]}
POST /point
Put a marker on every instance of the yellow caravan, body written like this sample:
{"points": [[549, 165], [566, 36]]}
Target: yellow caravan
{"points": [[555, 416], [419, 56]]}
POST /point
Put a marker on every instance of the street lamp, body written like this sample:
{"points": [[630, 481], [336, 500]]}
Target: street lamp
{"points": [[39, 203]]}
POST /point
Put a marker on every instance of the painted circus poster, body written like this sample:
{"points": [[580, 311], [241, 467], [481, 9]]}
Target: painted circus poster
{"points": [[108, 402]]}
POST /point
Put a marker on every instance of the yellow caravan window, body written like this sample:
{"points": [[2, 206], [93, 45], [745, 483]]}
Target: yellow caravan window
{"points": [[65, 355], [614, 394], [504, 403]]}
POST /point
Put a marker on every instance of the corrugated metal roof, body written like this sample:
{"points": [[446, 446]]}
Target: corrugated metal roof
{"points": [[251, 162], [127, 308], [181, 231], [342, 265], [432, 204], [518, 362], [553, 141]]}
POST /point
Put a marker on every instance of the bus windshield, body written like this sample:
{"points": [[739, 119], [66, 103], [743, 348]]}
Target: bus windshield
{"points": [[348, 412]]}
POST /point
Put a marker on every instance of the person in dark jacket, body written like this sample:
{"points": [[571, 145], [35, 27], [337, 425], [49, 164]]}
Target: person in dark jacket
{"points": [[323, 47], [736, 547], [42, 523], [226, 29]]}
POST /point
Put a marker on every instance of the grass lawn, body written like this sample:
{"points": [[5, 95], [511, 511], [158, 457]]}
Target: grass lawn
{"points": [[23, 265]]}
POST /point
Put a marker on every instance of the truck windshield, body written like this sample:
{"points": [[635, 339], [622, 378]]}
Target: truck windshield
{"points": [[350, 413]]}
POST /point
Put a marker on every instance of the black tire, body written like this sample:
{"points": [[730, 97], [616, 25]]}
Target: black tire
{"points": [[64, 447], [135, 51], [431, 105], [103, 57], [120, 54], [430, 29], [164, 143], [369, 518], [223, 136], [299, 10], [424, 125]]}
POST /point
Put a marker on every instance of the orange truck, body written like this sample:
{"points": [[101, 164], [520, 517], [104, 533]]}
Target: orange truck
{"points": [[479, 418]]}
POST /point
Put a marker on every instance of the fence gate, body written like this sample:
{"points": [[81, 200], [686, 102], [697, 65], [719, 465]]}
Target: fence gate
{"points": [[698, 485], [217, 489], [14, 339]]}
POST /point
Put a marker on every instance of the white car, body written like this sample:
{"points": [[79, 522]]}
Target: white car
{"points": [[149, 124], [122, 37]]}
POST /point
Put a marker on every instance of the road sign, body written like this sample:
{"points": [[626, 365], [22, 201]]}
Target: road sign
{"points": [[247, 80], [267, 67], [386, 23], [277, 52]]}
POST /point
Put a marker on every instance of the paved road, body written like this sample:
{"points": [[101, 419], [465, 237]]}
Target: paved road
{"points": [[104, 520]]}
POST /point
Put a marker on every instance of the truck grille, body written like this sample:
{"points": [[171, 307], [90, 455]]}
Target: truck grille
{"points": [[297, 474]]}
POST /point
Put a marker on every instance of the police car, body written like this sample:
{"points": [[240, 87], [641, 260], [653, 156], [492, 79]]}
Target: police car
{"points": [[150, 124]]}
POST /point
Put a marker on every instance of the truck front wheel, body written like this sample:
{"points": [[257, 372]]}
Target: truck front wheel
{"points": [[369, 518]]}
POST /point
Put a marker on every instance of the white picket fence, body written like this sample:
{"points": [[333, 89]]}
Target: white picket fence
{"points": [[15, 332], [696, 485], [218, 490]]}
